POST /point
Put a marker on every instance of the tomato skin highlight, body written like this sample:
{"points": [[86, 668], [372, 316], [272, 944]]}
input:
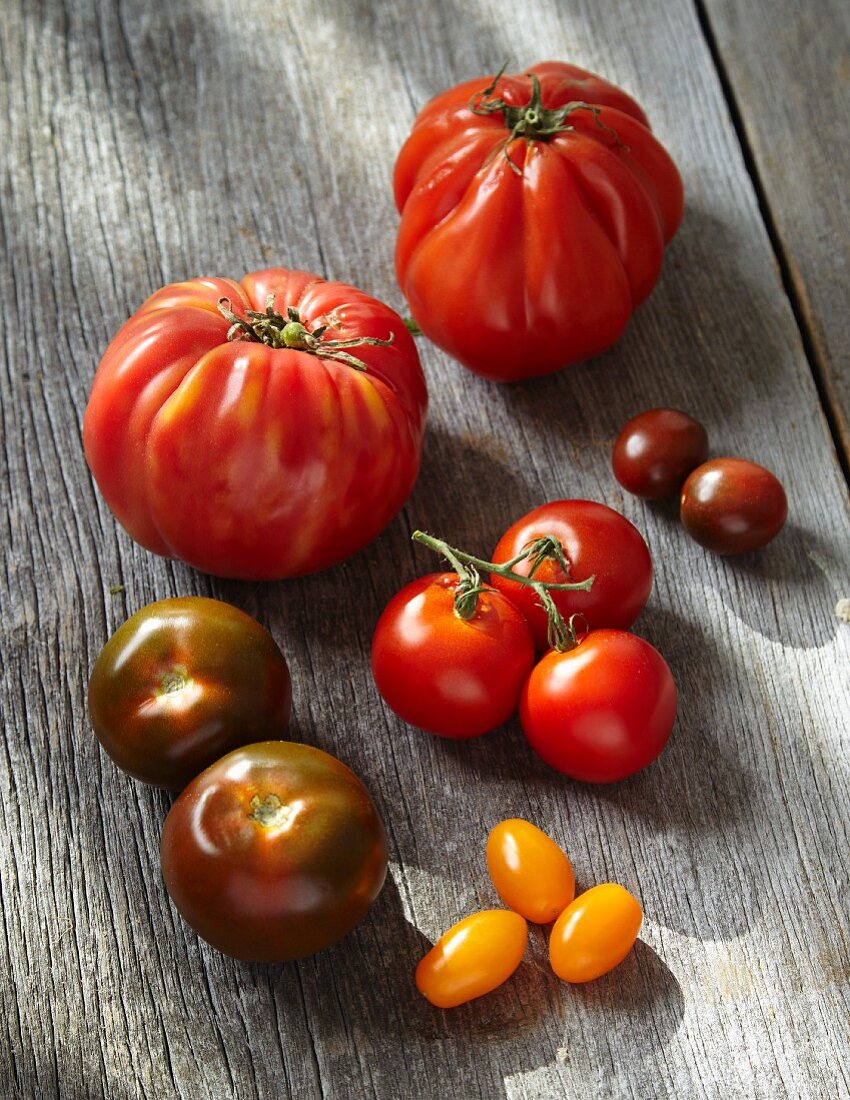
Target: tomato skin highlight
{"points": [[518, 269], [656, 450], [182, 682], [247, 460], [457, 678], [532, 875], [732, 506], [597, 541], [602, 711], [595, 933], [472, 958], [274, 852]]}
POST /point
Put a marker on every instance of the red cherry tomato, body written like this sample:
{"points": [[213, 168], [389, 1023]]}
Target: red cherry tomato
{"points": [[274, 852], [259, 458], [656, 451], [600, 711], [596, 540], [181, 683], [731, 506], [473, 958], [595, 933], [532, 875], [523, 250], [451, 676]]}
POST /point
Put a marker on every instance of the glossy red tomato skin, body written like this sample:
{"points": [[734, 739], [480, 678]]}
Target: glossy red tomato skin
{"points": [[731, 506], [656, 451], [246, 460], [517, 272], [182, 682], [597, 541], [602, 711], [274, 852], [452, 677]]}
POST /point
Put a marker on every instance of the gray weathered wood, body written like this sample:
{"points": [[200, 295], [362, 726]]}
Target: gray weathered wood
{"points": [[789, 67], [145, 143]]}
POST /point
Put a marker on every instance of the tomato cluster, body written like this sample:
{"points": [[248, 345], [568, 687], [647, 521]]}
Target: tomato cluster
{"points": [[592, 933], [456, 656]]}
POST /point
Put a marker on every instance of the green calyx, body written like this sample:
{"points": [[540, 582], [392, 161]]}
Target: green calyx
{"points": [[276, 331], [532, 121], [562, 633]]}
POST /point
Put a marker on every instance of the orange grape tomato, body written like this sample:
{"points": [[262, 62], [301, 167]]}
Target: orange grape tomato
{"points": [[595, 933], [530, 872], [474, 957]]}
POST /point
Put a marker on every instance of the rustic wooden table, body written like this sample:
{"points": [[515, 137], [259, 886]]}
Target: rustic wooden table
{"points": [[144, 143]]}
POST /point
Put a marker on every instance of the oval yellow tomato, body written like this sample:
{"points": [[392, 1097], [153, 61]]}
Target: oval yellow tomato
{"points": [[531, 873], [595, 933], [473, 958]]}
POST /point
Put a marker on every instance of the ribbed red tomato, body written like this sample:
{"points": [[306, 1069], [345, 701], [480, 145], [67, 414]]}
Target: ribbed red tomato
{"points": [[258, 429], [534, 214]]}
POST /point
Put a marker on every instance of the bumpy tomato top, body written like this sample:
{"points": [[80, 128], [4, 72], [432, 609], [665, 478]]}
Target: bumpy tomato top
{"points": [[524, 248], [253, 459]]}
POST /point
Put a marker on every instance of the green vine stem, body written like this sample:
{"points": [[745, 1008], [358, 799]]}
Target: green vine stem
{"points": [[276, 331], [562, 634], [532, 121]]}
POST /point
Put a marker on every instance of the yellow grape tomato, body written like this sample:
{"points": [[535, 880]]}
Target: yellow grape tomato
{"points": [[595, 933], [474, 957], [530, 872]]}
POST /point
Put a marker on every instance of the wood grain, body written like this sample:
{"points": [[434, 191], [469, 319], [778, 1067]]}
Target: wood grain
{"points": [[145, 143], [789, 71]]}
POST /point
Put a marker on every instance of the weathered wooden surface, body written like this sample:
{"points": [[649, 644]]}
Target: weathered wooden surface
{"points": [[144, 143], [788, 67]]}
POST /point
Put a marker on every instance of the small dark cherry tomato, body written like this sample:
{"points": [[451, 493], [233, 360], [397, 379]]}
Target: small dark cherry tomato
{"points": [[656, 451], [182, 682], [274, 852], [454, 677], [531, 873], [596, 540], [730, 506], [595, 933], [601, 711], [473, 958]]}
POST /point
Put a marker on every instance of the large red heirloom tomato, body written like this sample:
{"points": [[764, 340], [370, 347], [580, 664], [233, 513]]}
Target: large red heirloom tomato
{"points": [[534, 214], [258, 429]]}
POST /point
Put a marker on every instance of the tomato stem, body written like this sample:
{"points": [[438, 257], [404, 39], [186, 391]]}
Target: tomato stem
{"points": [[562, 634], [532, 121], [276, 331]]}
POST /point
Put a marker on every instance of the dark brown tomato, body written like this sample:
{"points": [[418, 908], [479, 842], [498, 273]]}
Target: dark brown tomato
{"points": [[274, 852], [656, 451], [730, 505], [181, 683]]}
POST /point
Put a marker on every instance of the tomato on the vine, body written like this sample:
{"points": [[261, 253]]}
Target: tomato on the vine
{"points": [[274, 852], [453, 676], [596, 541], [602, 710], [534, 213], [182, 682], [259, 429]]}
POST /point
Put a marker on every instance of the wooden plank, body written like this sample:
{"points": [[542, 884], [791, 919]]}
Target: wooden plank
{"points": [[789, 68], [147, 143]]}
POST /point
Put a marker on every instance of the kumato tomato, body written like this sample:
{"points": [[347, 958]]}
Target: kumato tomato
{"points": [[532, 875], [656, 451], [452, 676], [182, 682], [274, 852], [473, 958], [535, 208], [601, 711], [595, 933], [596, 541], [731, 506], [261, 429]]}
